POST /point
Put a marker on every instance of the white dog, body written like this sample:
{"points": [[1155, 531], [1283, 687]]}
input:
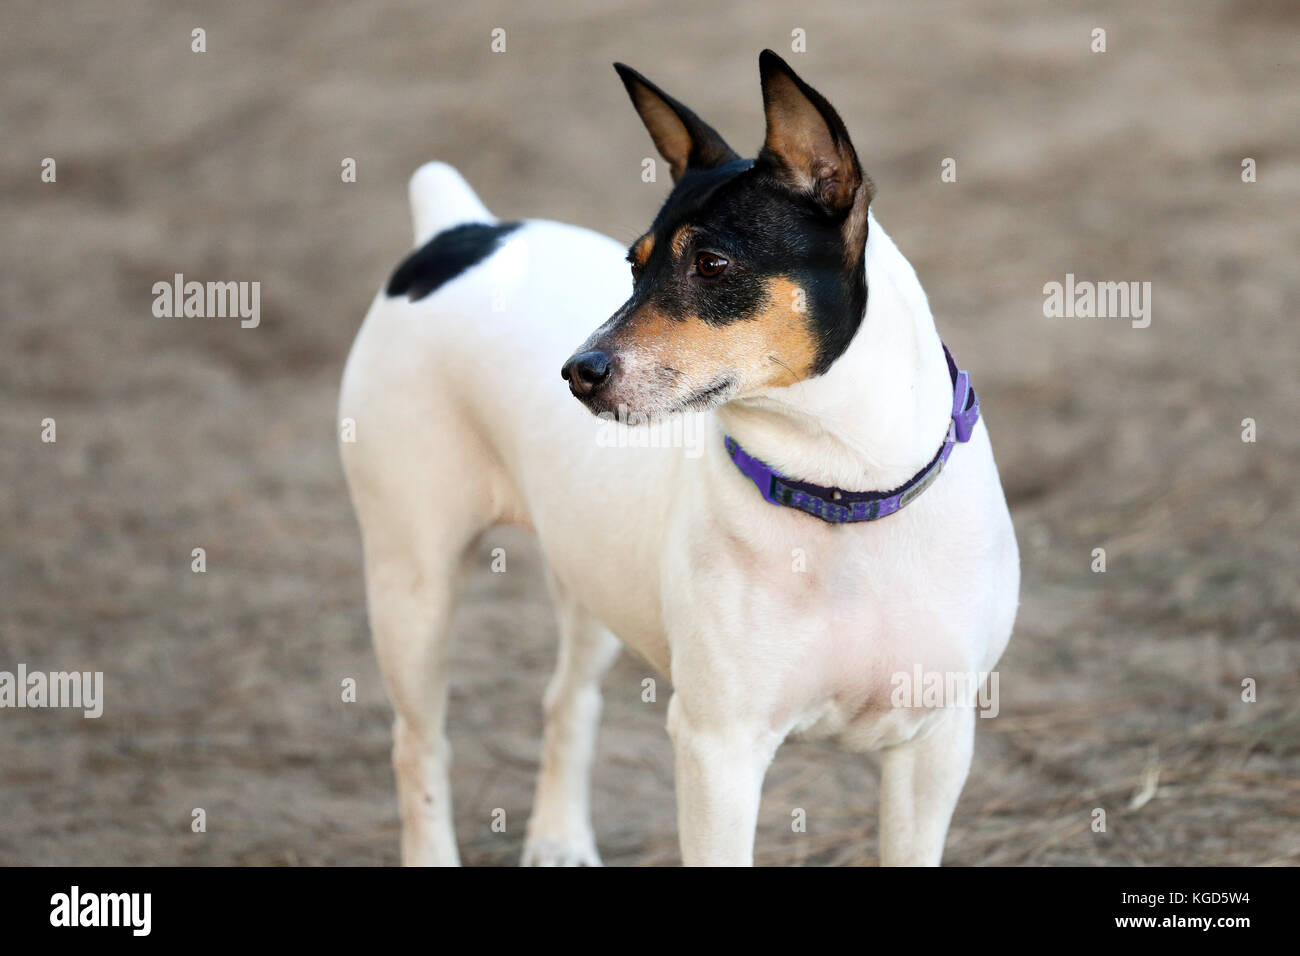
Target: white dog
{"points": [[840, 529]]}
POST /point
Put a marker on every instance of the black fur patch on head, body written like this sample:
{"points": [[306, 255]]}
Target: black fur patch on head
{"points": [[765, 230], [446, 256]]}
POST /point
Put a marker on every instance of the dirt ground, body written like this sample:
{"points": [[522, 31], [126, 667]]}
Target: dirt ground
{"points": [[223, 688]]}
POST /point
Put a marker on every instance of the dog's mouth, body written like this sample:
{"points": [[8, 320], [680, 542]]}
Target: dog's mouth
{"points": [[711, 396], [647, 406]]}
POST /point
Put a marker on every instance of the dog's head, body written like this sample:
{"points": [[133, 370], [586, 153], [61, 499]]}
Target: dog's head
{"points": [[751, 276]]}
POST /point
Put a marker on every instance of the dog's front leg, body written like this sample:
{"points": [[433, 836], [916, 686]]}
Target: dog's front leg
{"points": [[720, 768], [559, 830], [920, 782]]}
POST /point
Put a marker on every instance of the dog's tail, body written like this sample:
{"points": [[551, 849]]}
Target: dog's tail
{"points": [[440, 199]]}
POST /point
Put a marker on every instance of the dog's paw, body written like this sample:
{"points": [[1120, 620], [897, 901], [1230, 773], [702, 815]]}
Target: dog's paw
{"points": [[543, 850]]}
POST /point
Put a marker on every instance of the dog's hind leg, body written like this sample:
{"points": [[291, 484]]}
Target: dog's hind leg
{"points": [[416, 538], [410, 600], [919, 785], [559, 830]]}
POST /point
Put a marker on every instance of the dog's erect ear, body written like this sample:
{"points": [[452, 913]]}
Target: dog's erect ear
{"points": [[682, 138], [807, 145]]}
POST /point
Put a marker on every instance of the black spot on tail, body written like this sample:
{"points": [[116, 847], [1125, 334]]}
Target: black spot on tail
{"points": [[446, 256]]}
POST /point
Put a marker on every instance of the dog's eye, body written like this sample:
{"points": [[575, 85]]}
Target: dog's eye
{"points": [[709, 265], [637, 269]]}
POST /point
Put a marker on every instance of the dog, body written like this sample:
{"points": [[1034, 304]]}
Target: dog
{"points": [[841, 524]]}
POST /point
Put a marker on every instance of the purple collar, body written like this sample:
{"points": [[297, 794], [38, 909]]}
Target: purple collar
{"points": [[842, 507]]}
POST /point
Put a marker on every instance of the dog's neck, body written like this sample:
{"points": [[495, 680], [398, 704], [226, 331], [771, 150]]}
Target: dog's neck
{"points": [[880, 412]]}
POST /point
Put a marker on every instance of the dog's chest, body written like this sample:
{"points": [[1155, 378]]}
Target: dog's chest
{"points": [[881, 643], [832, 625]]}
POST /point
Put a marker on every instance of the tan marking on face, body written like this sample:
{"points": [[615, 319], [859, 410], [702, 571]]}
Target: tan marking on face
{"points": [[775, 348], [681, 239], [789, 317], [641, 251]]}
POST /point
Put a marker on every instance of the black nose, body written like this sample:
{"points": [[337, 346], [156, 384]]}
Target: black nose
{"points": [[586, 372]]}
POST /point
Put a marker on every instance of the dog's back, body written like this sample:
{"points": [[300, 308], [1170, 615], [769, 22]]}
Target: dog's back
{"points": [[454, 396]]}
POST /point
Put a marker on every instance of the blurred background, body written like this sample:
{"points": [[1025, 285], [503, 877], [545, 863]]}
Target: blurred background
{"points": [[1120, 690]]}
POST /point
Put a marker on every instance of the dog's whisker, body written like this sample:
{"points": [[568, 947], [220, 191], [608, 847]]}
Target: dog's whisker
{"points": [[773, 358]]}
